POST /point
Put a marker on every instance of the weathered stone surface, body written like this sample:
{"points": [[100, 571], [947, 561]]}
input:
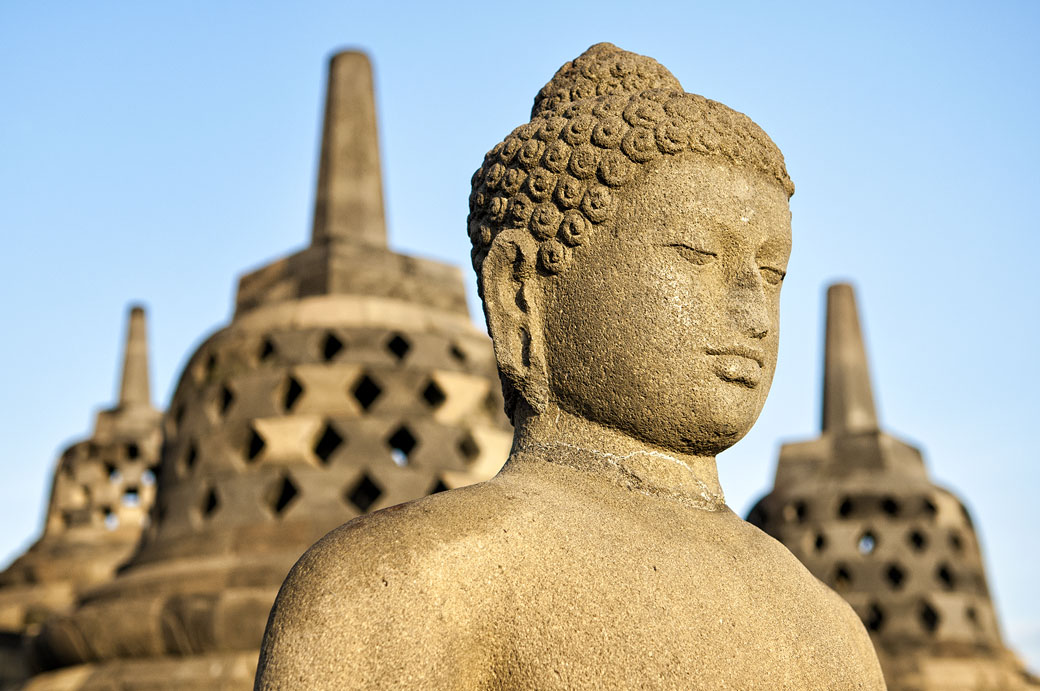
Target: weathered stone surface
{"points": [[102, 491], [630, 243], [856, 506], [350, 379]]}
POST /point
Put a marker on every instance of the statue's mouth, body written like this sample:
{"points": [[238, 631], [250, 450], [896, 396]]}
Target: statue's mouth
{"points": [[743, 351], [738, 364]]}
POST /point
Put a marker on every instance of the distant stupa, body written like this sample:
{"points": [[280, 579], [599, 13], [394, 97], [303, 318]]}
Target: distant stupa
{"points": [[100, 497], [857, 508], [351, 378]]}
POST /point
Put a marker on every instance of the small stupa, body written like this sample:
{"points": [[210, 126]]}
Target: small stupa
{"points": [[350, 379], [100, 497], [857, 507]]}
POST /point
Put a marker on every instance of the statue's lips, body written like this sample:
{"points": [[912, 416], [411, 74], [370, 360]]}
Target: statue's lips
{"points": [[738, 364]]}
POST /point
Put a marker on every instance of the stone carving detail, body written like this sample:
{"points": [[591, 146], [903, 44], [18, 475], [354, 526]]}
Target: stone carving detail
{"points": [[602, 115], [856, 506], [630, 242]]}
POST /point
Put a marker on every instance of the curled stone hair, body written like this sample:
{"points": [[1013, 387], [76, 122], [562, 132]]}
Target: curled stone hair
{"points": [[601, 117]]}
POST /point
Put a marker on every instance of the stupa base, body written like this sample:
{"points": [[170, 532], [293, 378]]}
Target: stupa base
{"points": [[214, 672]]}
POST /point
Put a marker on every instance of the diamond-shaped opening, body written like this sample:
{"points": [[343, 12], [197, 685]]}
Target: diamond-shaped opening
{"points": [[845, 507], [458, 353], [867, 543], [331, 346], [210, 503], [328, 442], [468, 448], [398, 346], [842, 577], [890, 506], [875, 618], [439, 486], [929, 617], [226, 399], [820, 543], [132, 451], [191, 456], [492, 404], [113, 473], [402, 442], [929, 508], [111, 520], [363, 494], [956, 542], [945, 576], [266, 350], [796, 511], [433, 395], [281, 494], [131, 497], [895, 576], [917, 540], [255, 445], [293, 391], [148, 477], [366, 391]]}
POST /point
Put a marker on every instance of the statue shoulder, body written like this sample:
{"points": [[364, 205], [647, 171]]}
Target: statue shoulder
{"points": [[818, 612], [379, 597]]}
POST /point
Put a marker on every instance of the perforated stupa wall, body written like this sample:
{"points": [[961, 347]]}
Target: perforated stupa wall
{"points": [[856, 506], [101, 495], [350, 379]]}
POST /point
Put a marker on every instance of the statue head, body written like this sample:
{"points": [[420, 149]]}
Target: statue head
{"points": [[630, 242]]}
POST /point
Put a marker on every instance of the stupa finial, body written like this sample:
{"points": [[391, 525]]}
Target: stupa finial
{"points": [[848, 403], [349, 200], [134, 389]]}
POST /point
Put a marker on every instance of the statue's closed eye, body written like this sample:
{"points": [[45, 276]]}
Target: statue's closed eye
{"points": [[772, 276], [694, 255]]}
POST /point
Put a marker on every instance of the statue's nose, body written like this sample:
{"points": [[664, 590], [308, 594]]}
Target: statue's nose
{"points": [[748, 308]]}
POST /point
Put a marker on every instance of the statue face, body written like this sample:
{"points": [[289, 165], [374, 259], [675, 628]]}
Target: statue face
{"points": [[665, 326]]}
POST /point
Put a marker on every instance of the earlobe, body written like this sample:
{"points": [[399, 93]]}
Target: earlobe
{"points": [[513, 303]]}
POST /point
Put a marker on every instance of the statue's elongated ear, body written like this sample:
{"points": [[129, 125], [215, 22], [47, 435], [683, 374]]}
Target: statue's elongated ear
{"points": [[513, 297]]}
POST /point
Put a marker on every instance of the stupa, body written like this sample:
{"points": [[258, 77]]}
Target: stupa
{"points": [[857, 507], [102, 490], [350, 379]]}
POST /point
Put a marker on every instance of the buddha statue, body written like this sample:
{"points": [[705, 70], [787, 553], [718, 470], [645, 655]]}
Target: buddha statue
{"points": [[630, 243]]}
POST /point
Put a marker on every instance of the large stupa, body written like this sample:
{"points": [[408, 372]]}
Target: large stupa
{"points": [[351, 378], [100, 496], [857, 507]]}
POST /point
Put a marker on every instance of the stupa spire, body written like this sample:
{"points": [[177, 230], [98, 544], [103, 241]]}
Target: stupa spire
{"points": [[848, 403], [134, 389], [349, 200], [857, 507]]}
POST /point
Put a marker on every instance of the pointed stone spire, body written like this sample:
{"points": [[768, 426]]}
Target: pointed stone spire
{"points": [[349, 200], [134, 389], [299, 415], [857, 507], [848, 404]]}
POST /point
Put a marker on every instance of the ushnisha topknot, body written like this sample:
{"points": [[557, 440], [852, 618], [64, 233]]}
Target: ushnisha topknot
{"points": [[601, 118]]}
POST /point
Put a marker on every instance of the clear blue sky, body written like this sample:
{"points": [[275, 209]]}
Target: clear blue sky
{"points": [[155, 151]]}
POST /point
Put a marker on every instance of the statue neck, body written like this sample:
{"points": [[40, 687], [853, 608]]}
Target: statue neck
{"points": [[555, 436]]}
